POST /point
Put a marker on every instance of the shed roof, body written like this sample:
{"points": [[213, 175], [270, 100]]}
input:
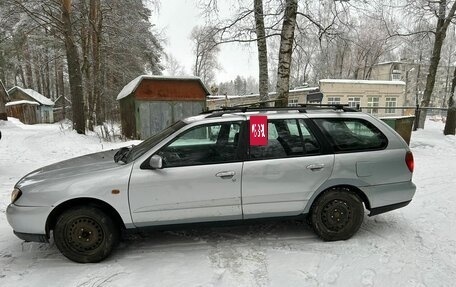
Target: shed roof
{"points": [[20, 103], [34, 95], [133, 85]]}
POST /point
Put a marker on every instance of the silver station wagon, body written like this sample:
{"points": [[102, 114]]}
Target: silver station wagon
{"points": [[323, 165]]}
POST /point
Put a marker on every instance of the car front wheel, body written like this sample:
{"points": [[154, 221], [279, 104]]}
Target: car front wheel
{"points": [[85, 234], [337, 214]]}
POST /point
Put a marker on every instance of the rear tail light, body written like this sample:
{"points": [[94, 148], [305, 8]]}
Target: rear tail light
{"points": [[409, 161]]}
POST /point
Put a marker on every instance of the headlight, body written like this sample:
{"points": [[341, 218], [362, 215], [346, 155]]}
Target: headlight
{"points": [[15, 195]]}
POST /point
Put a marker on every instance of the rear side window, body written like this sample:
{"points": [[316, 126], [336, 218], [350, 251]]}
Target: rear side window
{"points": [[349, 135], [286, 138]]}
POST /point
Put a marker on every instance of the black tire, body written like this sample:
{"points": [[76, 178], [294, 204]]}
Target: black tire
{"points": [[337, 214], [86, 234]]}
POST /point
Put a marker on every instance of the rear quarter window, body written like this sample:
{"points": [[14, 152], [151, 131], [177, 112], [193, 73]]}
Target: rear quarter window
{"points": [[351, 135]]}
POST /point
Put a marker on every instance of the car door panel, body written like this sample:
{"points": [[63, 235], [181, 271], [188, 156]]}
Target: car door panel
{"points": [[185, 194], [282, 175], [200, 179], [282, 187]]}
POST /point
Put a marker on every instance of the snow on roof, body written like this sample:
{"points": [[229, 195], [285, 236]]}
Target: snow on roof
{"points": [[131, 87], [307, 89], [35, 95], [389, 62], [20, 103], [369, 82]]}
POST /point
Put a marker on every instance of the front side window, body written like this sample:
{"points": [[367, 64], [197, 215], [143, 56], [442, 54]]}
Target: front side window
{"points": [[352, 135], [286, 138], [207, 144]]}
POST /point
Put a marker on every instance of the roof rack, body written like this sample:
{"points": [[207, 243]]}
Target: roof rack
{"points": [[255, 107], [343, 107], [227, 110]]}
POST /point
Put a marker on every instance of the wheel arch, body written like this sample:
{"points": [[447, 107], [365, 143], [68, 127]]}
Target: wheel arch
{"points": [[349, 187], [83, 201]]}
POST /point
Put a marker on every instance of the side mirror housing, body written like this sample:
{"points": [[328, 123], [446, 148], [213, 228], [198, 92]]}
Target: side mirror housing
{"points": [[156, 162]]}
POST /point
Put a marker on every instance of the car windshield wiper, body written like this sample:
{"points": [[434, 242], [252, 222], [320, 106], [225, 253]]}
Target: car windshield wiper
{"points": [[122, 154]]}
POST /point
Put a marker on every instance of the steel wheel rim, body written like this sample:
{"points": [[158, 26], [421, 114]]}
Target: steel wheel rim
{"points": [[336, 215], [84, 234]]}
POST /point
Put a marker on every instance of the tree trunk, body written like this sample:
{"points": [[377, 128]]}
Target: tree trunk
{"points": [[440, 34], [450, 124], [3, 100], [262, 51], [74, 71], [285, 53], [28, 66], [95, 18], [37, 72]]}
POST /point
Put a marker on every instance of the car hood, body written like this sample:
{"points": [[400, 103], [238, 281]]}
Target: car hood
{"points": [[87, 164]]}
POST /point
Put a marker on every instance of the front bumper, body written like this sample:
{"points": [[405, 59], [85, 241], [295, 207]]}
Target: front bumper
{"points": [[28, 222], [28, 237]]}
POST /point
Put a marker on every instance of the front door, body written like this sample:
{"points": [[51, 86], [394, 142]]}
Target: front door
{"points": [[200, 179]]}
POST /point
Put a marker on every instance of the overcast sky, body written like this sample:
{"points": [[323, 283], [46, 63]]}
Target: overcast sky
{"points": [[176, 19]]}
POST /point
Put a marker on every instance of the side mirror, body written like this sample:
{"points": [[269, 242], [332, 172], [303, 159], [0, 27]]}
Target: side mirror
{"points": [[156, 162]]}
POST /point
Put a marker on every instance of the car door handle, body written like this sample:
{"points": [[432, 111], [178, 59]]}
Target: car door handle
{"points": [[315, 167], [225, 174]]}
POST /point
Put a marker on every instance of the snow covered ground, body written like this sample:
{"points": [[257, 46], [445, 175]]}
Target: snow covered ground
{"points": [[412, 246]]}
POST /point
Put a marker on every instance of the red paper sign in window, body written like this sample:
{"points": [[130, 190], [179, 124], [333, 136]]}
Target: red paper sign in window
{"points": [[258, 130]]}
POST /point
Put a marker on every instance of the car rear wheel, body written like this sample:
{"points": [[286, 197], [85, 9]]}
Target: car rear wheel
{"points": [[337, 214], [85, 234]]}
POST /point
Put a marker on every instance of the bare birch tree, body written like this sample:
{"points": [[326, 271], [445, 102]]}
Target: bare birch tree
{"points": [[285, 52], [206, 50], [443, 21]]}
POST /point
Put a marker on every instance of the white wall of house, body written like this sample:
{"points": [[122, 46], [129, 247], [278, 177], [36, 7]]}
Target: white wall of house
{"points": [[366, 93]]}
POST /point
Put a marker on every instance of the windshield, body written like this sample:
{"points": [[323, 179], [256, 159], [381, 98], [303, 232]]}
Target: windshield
{"points": [[139, 150]]}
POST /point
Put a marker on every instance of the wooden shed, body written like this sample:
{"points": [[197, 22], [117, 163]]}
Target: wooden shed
{"points": [[149, 104], [62, 109], [25, 111], [44, 113]]}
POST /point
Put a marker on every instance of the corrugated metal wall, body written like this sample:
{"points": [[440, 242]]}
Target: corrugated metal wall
{"points": [[152, 117]]}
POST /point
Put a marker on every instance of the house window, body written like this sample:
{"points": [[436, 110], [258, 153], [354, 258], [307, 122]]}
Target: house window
{"points": [[372, 102], [390, 102], [333, 100], [396, 76], [293, 102], [354, 102]]}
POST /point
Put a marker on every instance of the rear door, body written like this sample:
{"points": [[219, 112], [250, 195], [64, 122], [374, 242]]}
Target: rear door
{"points": [[279, 178]]}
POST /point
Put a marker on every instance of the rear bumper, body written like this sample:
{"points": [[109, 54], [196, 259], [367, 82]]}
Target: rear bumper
{"points": [[386, 197], [383, 209]]}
